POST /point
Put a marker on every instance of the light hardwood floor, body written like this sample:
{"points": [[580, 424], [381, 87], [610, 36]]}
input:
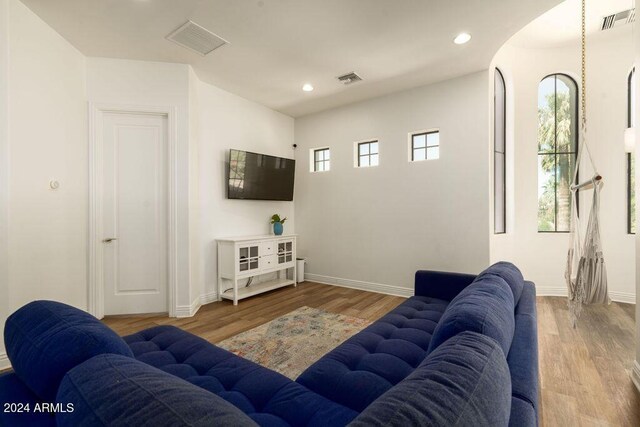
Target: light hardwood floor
{"points": [[584, 372]]}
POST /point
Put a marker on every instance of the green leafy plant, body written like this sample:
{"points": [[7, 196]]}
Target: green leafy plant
{"points": [[276, 218]]}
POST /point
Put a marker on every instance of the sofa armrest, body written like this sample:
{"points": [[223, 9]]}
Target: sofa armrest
{"points": [[441, 284]]}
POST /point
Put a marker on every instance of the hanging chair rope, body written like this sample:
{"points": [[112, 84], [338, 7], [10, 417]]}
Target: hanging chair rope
{"points": [[586, 273], [583, 121]]}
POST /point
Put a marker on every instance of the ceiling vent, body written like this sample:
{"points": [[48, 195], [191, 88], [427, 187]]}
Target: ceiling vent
{"points": [[617, 19], [349, 78], [196, 38]]}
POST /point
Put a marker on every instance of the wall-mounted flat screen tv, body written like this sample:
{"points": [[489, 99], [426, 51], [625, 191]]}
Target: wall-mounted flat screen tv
{"points": [[253, 176]]}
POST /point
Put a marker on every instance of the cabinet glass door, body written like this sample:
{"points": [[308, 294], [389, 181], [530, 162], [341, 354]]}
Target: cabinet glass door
{"points": [[244, 259], [285, 252], [248, 258]]}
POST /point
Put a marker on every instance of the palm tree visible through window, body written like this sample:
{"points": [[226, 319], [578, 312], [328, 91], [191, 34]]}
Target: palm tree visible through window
{"points": [[557, 145]]}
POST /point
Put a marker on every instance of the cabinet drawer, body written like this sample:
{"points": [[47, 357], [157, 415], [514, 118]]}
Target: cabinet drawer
{"points": [[268, 262], [267, 248]]}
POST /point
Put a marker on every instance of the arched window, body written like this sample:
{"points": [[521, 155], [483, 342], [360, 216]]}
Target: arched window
{"points": [[631, 191], [557, 150], [499, 150]]}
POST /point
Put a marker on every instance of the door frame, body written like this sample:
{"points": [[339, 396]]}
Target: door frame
{"points": [[97, 111]]}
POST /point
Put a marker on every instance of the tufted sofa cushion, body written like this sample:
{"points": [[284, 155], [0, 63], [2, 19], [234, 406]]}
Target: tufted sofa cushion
{"points": [[485, 306], [510, 274], [268, 398], [130, 393], [368, 364], [464, 382], [45, 339]]}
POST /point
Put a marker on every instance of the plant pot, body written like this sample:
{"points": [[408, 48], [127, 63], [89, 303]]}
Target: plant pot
{"points": [[277, 228]]}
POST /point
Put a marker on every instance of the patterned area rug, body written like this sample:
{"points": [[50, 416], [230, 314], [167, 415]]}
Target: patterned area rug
{"points": [[291, 343]]}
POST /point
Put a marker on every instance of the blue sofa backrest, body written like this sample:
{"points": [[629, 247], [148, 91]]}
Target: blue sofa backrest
{"points": [[486, 306], [464, 382], [500, 304], [510, 274], [119, 391]]}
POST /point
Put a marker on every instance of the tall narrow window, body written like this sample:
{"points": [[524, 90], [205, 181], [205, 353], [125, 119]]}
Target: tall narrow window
{"points": [[425, 145], [631, 162], [557, 146], [499, 159], [321, 160], [368, 154]]}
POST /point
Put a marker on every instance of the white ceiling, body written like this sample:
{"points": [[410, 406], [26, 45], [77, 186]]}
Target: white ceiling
{"points": [[562, 24], [278, 45]]}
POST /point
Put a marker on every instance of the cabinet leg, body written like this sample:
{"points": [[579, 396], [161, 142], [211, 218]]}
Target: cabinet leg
{"points": [[235, 292]]}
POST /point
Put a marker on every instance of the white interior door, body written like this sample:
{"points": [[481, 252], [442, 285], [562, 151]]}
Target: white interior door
{"points": [[135, 213]]}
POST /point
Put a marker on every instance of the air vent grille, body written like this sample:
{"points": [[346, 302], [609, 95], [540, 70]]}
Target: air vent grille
{"points": [[194, 37], [617, 19], [349, 78]]}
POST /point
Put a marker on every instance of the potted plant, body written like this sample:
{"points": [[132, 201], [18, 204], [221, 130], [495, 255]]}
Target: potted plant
{"points": [[277, 224]]}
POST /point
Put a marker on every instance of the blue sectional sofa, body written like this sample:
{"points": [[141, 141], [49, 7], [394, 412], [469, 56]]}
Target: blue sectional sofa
{"points": [[462, 351]]}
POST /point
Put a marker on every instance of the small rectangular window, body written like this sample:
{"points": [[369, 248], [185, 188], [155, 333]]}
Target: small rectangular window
{"points": [[321, 160], [368, 154], [425, 146]]}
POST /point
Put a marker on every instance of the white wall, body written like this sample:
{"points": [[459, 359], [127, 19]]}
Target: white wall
{"points": [[195, 276], [542, 256], [636, 48], [210, 122], [138, 83], [374, 227], [4, 170], [47, 136], [227, 121]]}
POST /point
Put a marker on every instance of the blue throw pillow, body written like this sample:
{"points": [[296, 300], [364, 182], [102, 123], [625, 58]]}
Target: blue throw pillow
{"points": [[465, 382], [114, 390], [510, 273], [486, 306], [45, 339]]}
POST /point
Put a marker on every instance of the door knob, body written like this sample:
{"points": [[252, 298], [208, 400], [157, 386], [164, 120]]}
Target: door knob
{"points": [[109, 240]]}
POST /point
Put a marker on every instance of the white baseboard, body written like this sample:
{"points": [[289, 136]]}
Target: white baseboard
{"points": [[4, 361], [188, 310], [551, 291], [541, 291], [635, 374], [191, 310], [208, 298], [363, 286], [622, 297], [561, 291]]}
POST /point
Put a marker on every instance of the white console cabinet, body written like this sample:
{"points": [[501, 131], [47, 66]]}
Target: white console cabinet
{"points": [[245, 257]]}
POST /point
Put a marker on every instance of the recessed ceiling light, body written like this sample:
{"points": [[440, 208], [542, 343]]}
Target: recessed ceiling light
{"points": [[307, 87], [462, 38]]}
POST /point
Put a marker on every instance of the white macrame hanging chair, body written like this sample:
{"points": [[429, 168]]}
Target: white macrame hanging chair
{"points": [[586, 272]]}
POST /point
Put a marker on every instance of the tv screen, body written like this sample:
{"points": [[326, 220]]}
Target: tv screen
{"points": [[255, 176]]}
